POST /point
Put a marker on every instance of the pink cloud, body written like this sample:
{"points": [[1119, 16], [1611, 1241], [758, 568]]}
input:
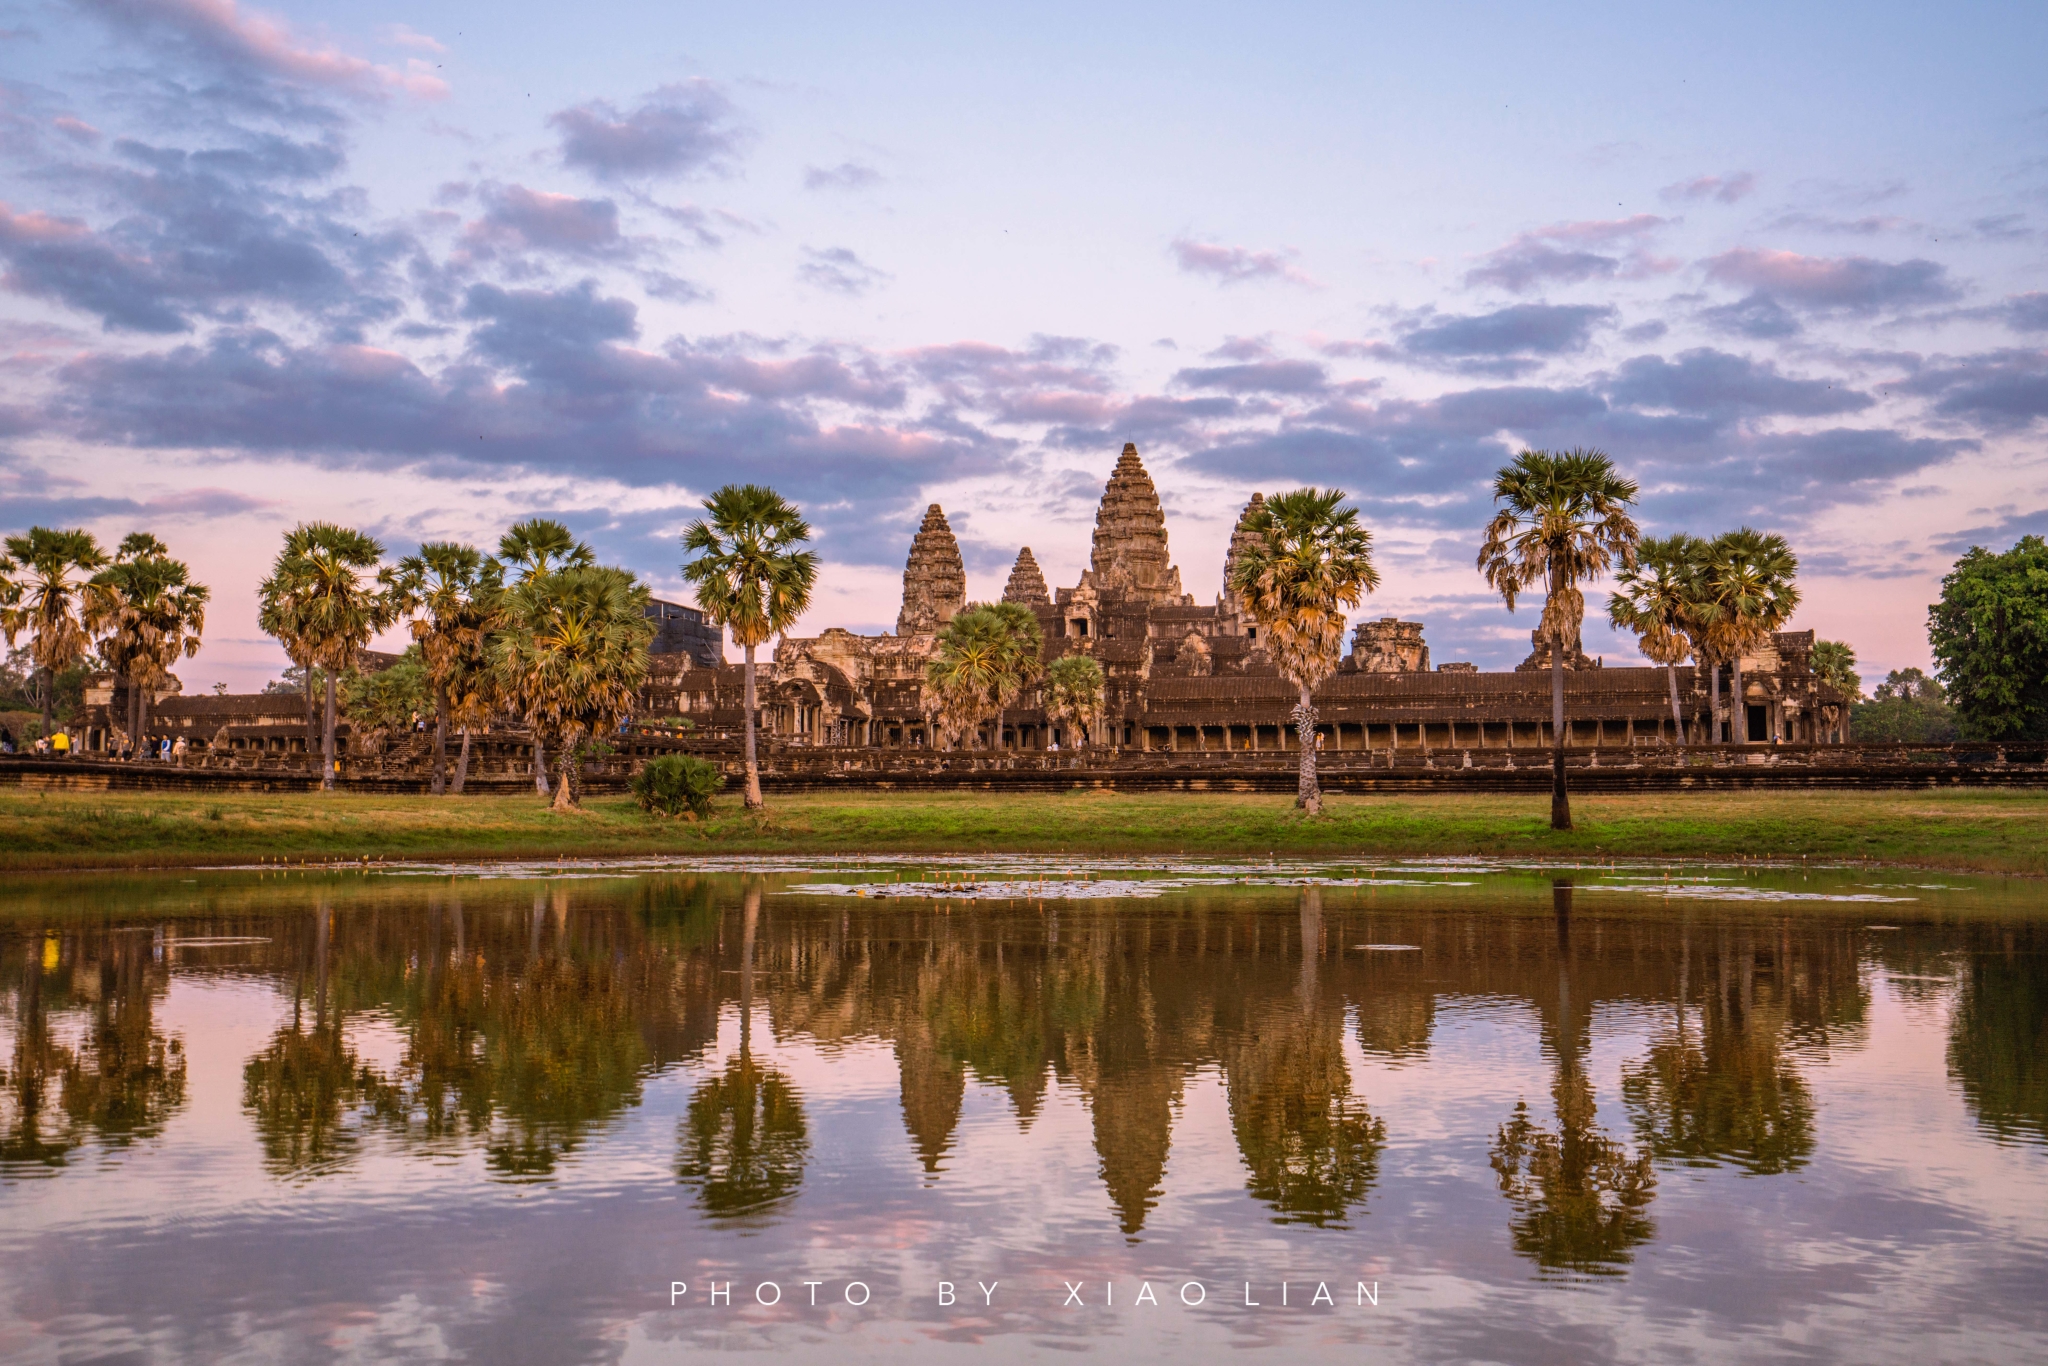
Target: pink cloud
{"points": [[249, 38], [1234, 265], [1724, 188]]}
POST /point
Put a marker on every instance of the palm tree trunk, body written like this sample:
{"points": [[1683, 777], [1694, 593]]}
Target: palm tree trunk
{"points": [[49, 696], [1677, 713], [141, 709], [1560, 797], [1714, 703], [327, 739], [540, 760], [461, 764], [134, 719], [312, 723], [440, 782], [1308, 796], [753, 794]]}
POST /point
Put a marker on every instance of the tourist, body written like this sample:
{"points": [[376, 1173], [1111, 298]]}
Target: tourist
{"points": [[6, 740], [163, 749], [60, 745], [42, 745], [178, 751]]}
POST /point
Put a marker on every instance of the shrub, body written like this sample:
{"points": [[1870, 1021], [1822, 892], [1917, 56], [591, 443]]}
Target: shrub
{"points": [[676, 784]]}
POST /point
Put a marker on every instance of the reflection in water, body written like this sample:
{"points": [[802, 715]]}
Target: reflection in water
{"points": [[744, 1141], [1998, 1037], [110, 1079], [1580, 1199]]}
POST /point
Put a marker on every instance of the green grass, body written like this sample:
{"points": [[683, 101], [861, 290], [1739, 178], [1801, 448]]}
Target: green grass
{"points": [[1993, 831]]}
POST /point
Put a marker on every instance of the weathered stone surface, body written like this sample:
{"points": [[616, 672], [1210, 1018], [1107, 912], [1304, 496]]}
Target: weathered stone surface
{"points": [[1130, 553], [1389, 646], [1027, 583], [1230, 601], [934, 580], [1575, 656]]}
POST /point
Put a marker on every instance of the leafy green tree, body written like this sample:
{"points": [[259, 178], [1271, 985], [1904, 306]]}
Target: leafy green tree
{"points": [[676, 784], [982, 660], [1562, 520], [1998, 1042], [752, 577], [451, 592], [387, 700], [326, 596], [1304, 560], [1835, 662], [151, 614], [533, 549], [1990, 638], [573, 645], [1750, 582], [1073, 693], [1658, 598], [1907, 708], [48, 596]]}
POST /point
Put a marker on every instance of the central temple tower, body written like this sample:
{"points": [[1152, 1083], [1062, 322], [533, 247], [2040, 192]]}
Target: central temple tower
{"points": [[1129, 555]]}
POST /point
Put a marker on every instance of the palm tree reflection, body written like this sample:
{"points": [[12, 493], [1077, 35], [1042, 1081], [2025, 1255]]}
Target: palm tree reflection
{"points": [[1580, 1199], [744, 1140]]}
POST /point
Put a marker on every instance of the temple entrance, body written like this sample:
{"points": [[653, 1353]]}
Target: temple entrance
{"points": [[1759, 723]]}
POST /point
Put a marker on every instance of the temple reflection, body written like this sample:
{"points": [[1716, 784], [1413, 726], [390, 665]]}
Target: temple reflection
{"points": [[521, 1025]]}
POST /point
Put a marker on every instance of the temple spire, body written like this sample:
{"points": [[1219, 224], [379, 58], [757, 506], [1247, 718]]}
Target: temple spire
{"points": [[1130, 536], [1240, 538], [934, 579], [1027, 584]]}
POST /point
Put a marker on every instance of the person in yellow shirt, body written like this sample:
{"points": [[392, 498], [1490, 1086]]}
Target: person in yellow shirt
{"points": [[60, 744]]}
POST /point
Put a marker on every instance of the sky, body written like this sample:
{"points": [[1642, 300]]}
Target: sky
{"points": [[426, 269]]}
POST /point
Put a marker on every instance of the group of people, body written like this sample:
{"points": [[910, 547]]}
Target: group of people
{"points": [[163, 748]]}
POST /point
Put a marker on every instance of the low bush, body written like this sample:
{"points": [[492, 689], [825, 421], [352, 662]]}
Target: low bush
{"points": [[678, 784]]}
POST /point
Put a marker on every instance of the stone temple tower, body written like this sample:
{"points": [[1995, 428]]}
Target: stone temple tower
{"points": [[1229, 600], [1027, 583], [935, 579], [1130, 538]]}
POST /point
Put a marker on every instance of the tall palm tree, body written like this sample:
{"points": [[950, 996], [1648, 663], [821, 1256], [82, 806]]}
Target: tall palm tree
{"points": [[329, 591], [751, 577], [574, 646], [50, 575], [1073, 692], [1305, 560], [1562, 519], [1749, 580], [983, 659], [151, 614], [451, 592], [1658, 598], [532, 549]]}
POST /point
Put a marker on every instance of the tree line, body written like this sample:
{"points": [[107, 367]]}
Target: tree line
{"points": [[543, 632]]}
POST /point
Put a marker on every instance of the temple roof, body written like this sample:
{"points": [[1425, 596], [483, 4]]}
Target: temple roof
{"points": [[1027, 584], [934, 579], [1130, 535]]}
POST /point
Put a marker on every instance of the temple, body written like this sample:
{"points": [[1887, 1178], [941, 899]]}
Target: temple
{"points": [[1183, 675]]}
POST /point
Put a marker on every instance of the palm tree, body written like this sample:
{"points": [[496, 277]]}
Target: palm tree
{"points": [[151, 614], [984, 658], [1073, 692], [452, 591], [574, 647], [1304, 561], [49, 574], [751, 578], [1658, 599], [535, 548], [329, 592], [1749, 580], [1563, 519]]}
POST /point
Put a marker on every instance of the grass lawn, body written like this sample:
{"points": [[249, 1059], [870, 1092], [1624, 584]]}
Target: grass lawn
{"points": [[1989, 830]]}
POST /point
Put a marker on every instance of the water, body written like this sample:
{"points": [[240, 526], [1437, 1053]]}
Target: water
{"points": [[1024, 1109]]}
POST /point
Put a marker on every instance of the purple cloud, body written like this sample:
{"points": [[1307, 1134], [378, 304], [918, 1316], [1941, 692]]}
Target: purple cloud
{"points": [[1845, 284], [676, 130], [1572, 253], [840, 271], [518, 219], [1724, 189], [1235, 265], [847, 175], [1506, 342], [221, 34]]}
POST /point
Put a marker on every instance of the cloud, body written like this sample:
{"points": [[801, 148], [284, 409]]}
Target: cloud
{"points": [[847, 175], [839, 270], [2001, 390], [519, 219], [79, 131], [1258, 377], [2004, 227], [675, 289], [1844, 284], [2026, 312], [1724, 189], [1998, 535], [1757, 316], [1713, 382], [1572, 253], [222, 34], [678, 129], [399, 35], [1506, 342], [1235, 265], [62, 259], [1867, 226]]}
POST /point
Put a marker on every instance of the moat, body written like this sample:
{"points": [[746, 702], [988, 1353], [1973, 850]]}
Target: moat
{"points": [[1023, 1108]]}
